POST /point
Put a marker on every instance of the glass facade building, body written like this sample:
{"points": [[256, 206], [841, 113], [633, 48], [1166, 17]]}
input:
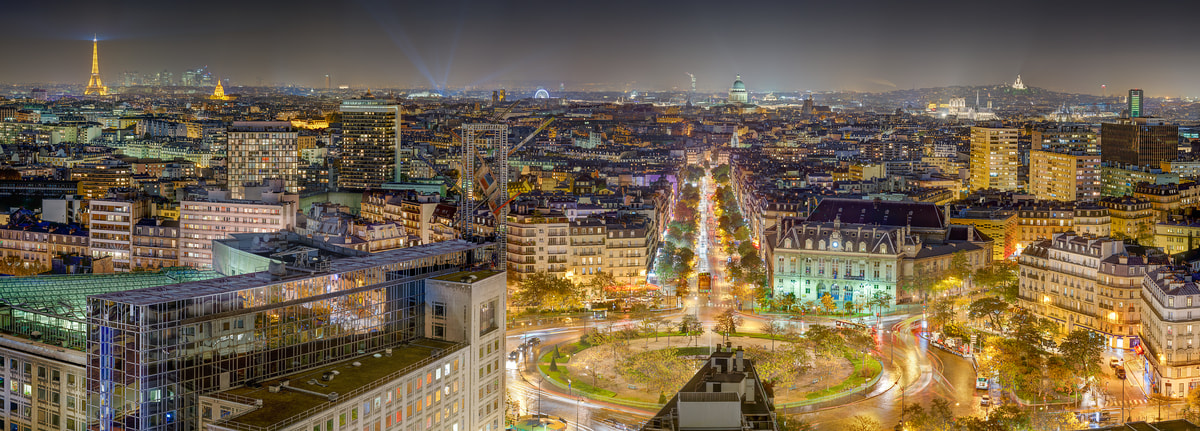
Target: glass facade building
{"points": [[152, 352]]}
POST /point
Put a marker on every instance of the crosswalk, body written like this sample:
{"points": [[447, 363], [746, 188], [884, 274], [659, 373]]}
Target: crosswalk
{"points": [[1127, 403]]}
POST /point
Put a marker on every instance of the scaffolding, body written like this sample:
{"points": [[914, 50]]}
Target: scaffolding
{"points": [[53, 308], [485, 165]]}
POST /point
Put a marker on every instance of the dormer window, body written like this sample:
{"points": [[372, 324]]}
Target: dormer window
{"points": [[883, 248]]}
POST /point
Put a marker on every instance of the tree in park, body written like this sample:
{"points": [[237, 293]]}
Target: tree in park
{"points": [[941, 312], [544, 290], [960, 268], [990, 309], [849, 307], [727, 323], [828, 303], [1191, 405], [691, 327], [774, 329], [862, 423], [1031, 330], [1083, 351], [785, 301], [598, 285], [653, 323], [662, 370]]}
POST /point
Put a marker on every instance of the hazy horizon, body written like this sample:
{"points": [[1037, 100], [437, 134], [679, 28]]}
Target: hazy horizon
{"points": [[1070, 47]]}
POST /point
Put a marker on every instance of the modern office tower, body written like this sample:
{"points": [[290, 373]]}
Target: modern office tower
{"points": [[737, 93], [328, 82], [45, 343], [370, 143], [321, 340], [95, 87], [994, 160], [1138, 142], [1170, 316], [203, 221], [96, 179], [725, 394], [259, 151], [110, 228], [1064, 176], [1067, 137], [1055, 271], [1135, 103]]}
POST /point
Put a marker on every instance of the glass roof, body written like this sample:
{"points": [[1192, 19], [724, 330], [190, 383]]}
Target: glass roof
{"points": [[65, 296]]}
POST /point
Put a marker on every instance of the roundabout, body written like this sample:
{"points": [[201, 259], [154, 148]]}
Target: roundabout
{"points": [[645, 372]]}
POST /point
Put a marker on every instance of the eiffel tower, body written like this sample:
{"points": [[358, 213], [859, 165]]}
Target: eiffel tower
{"points": [[95, 87]]}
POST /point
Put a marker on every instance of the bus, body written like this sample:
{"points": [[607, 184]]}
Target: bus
{"points": [[704, 282]]}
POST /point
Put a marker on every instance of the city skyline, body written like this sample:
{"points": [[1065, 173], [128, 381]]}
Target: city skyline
{"points": [[775, 47]]}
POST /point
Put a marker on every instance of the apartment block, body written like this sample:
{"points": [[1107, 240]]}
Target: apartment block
{"points": [[1087, 283], [200, 222]]}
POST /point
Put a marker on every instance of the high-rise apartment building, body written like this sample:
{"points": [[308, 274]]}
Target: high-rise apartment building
{"points": [[1135, 103], [1064, 176], [994, 160], [370, 143], [1139, 142], [262, 150]]}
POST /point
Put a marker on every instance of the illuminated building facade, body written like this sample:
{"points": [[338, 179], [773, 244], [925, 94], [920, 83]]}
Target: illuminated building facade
{"points": [[994, 160], [1170, 323], [1064, 176], [262, 150], [853, 250], [1139, 141], [1087, 283], [370, 143], [175, 357], [1135, 103]]}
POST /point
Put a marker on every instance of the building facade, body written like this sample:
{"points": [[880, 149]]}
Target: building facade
{"points": [[1170, 319], [1062, 176], [259, 151], [1139, 142], [1086, 283], [994, 160], [200, 222], [236, 338], [370, 143]]}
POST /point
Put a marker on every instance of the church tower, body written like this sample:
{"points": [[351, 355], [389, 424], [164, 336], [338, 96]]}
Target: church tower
{"points": [[95, 87]]}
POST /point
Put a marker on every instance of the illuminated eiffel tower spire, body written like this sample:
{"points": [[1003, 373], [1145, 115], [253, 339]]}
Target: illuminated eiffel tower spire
{"points": [[95, 87]]}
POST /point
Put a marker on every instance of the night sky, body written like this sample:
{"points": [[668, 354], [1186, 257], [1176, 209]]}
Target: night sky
{"points": [[645, 45]]}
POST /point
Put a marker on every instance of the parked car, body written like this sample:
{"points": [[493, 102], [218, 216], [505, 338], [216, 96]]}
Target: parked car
{"points": [[1114, 362], [1121, 373], [981, 383], [985, 400]]}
